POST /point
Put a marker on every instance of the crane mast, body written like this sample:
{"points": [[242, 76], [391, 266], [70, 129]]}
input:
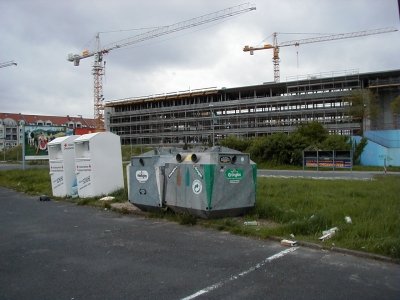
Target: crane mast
{"points": [[98, 65], [275, 45]]}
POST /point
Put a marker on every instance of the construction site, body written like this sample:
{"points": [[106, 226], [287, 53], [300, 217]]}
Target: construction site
{"points": [[208, 115], [205, 116]]}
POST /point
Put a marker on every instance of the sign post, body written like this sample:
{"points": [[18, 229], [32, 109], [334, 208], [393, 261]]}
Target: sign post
{"points": [[23, 147]]}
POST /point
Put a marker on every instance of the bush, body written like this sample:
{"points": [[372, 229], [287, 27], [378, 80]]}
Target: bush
{"points": [[287, 149], [234, 142]]}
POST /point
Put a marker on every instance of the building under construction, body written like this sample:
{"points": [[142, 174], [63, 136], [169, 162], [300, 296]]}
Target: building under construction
{"points": [[205, 116]]}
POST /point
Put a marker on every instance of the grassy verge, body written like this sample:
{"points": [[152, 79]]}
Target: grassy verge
{"points": [[285, 207], [30, 181], [36, 182], [306, 207], [269, 166]]}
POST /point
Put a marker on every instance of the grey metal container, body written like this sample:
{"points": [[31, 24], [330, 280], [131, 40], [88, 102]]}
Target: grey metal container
{"points": [[217, 182], [146, 181]]}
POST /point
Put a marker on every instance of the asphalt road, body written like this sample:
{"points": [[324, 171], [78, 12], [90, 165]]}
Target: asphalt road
{"points": [[58, 250]]}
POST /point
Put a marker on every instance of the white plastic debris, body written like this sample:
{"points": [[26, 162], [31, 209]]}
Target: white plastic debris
{"points": [[348, 220], [289, 243], [250, 223], [327, 234], [107, 198]]}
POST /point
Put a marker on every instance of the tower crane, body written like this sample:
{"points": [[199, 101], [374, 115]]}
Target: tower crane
{"points": [[98, 65], [8, 64], [275, 45]]}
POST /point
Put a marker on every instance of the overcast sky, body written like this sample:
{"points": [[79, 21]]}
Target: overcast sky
{"points": [[39, 34]]}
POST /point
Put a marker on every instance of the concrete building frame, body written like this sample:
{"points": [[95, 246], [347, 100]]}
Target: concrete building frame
{"points": [[205, 116]]}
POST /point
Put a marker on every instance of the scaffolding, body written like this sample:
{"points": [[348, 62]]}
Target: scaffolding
{"points": [[204, 116]]}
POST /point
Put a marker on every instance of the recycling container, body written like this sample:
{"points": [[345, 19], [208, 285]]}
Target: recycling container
{"points": [[62, 166], [146, 178], [98, 163], [218, 182]]}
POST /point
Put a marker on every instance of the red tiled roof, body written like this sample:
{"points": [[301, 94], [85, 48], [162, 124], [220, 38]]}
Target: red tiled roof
{"points": [[55, 120]]}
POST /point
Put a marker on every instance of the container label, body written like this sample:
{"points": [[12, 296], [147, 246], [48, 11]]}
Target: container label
{"points": [[57, 182], [198, 171], [197, 187], [84, 182], [83, 167], [142, 176], [69, 146], [234, 175], [172, 172], [56, 168], [225, 159]]}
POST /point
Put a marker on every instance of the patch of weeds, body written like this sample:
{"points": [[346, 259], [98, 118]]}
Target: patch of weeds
{"points": [[120, 195], [157, 214], [311, 226], [390, 247], [107, 205], [124, 211], [186, 219], [225, 224], [85, 201]]}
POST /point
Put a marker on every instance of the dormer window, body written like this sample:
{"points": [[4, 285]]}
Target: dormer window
{"points": [[9, 122]]}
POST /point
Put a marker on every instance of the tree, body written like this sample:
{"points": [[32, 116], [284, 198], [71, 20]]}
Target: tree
{"points": [[313, 132], [358, 150], [287, 149], [363, 105], [395, 107], [336, 142], [298, 144], [236, 143], [257, 147]]}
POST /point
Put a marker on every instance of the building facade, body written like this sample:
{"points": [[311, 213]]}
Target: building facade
{"points": [[11, 126], [207, 115]]}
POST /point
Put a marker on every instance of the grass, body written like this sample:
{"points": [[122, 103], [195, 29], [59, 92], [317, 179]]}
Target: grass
{"points": [[29, 181], [37, 182], [306, 207], [127, 151], [285, 207], [269, 166]]}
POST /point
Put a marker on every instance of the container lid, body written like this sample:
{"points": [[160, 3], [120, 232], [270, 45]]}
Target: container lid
{"points": [[86, 137], [62, 139]]}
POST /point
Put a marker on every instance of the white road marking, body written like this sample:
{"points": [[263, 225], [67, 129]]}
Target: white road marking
{"points": [[244, 273], [316, 177]]}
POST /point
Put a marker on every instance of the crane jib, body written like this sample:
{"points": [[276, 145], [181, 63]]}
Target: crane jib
{"points": [[275, 46], [98, 66]]}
